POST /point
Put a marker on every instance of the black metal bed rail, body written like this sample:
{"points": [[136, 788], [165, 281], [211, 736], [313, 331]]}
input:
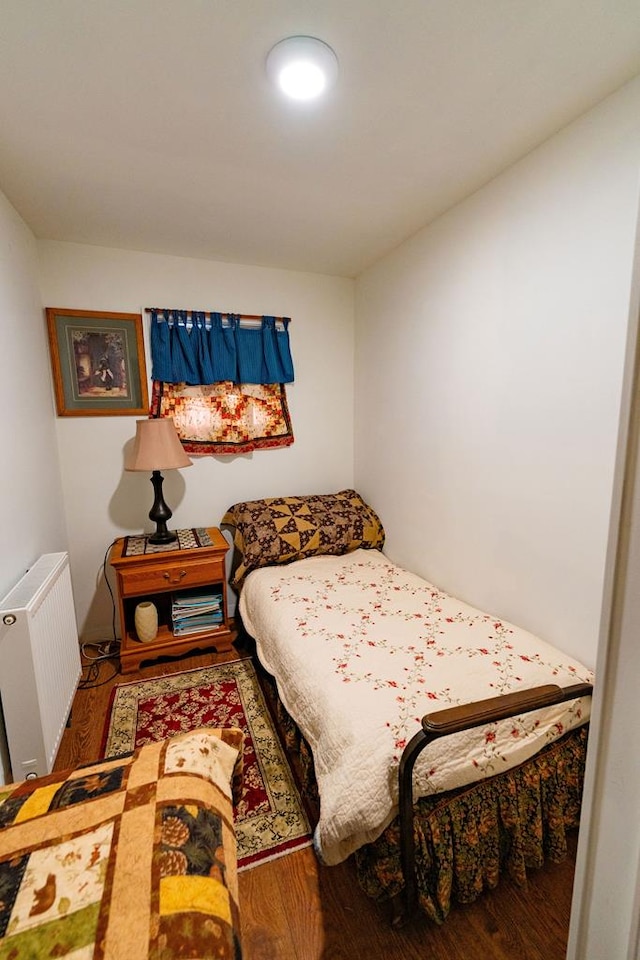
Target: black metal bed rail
{"points": [[442, 723]]}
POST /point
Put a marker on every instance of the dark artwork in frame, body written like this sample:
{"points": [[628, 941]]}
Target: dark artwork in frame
{"points": [[98, 363]]}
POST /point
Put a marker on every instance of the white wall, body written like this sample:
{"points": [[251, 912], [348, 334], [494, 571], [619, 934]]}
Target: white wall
{"points": [[489, 363], [101, 501], [31, 507], [31, 514]]}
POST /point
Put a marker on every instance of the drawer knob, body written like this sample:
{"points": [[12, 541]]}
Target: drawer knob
{"points": [[175, 579]]}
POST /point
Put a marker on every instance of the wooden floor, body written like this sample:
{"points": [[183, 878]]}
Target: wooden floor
{"points": [[294, 909]]}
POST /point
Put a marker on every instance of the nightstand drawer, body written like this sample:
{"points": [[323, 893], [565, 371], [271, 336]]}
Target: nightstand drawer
{"points": [[148, 579]]}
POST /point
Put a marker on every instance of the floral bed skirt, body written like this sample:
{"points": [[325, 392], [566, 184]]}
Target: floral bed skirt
{"points": [[467, 838]]}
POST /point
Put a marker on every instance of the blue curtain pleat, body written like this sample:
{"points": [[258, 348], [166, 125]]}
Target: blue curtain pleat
{"points": [[162, 368], [183, 355], [282, 359], [249, 345], [201, 353], [202, 347], [223, 349]]}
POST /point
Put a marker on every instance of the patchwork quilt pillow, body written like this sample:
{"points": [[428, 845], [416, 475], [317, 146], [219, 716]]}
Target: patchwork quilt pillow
{"points": [[133, 857], [282, 529]]}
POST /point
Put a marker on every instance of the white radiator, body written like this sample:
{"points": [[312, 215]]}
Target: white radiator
{"points": [[39, 664]]}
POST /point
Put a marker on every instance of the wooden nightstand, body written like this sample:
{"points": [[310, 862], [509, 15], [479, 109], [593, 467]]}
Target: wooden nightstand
{"points": [[157, 576]]}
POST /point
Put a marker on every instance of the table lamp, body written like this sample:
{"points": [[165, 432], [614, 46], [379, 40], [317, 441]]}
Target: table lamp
{"points": [[157, 447]]}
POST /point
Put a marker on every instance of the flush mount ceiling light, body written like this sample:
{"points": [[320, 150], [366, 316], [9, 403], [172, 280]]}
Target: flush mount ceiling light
{"points": [[303, 68]]}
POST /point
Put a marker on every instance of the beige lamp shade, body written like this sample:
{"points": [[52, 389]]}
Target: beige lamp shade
{"points": [[156, 447]]}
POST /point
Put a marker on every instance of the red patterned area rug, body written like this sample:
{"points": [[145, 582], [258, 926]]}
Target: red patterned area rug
{"points": [[270, 818]]}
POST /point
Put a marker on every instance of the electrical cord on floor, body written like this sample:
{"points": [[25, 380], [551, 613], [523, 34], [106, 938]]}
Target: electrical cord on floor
{"points": [[94, 654], [92, 678]]}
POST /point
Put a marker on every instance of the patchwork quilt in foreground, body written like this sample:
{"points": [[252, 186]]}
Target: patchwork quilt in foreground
{"points": [[131, 858]]}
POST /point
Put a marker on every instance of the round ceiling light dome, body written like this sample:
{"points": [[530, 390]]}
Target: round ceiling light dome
{"points": [[303, 68]]}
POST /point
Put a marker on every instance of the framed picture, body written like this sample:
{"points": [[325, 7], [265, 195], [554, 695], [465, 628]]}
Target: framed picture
{"points": [[98, 363]]}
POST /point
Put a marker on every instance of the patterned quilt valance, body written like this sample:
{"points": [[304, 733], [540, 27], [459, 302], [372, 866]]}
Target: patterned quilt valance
{"points": [[194, 347]]}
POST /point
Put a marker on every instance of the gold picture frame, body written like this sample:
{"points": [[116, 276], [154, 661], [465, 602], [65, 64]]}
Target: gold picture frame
{"points": [[98, 363]]}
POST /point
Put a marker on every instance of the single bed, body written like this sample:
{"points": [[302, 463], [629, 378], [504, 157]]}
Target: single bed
{"points": [[361, 650]]}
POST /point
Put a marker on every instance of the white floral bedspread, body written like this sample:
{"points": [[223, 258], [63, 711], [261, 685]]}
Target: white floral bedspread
{"points": [[361, 650]]}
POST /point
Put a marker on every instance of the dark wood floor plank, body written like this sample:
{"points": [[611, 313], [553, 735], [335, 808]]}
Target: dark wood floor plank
{"points": [[265, 911], [298, 880]]}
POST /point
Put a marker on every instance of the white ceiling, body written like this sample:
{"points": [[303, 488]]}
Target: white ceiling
{"points": [[150, 125]]}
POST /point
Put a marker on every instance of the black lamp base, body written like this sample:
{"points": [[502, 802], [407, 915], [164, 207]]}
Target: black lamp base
{"points": [[162, 536], [160, 513]]}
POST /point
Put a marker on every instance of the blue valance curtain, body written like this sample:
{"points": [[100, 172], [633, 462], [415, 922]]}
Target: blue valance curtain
{"points": [[194, 347]]}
